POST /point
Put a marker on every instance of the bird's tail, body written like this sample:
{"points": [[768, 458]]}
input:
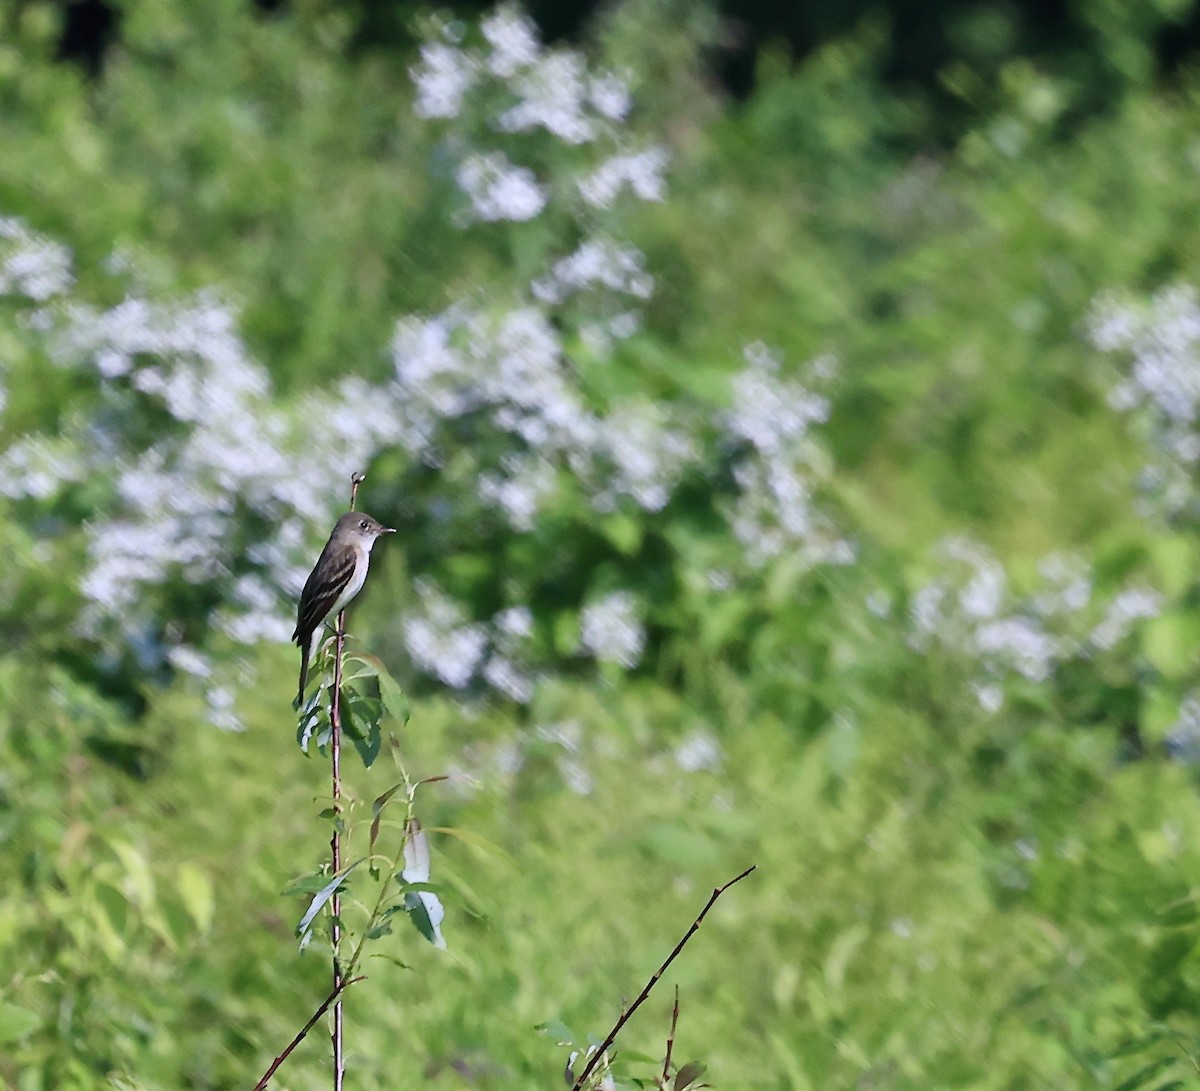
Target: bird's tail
{"points": [[308, 648], [303, 672]]}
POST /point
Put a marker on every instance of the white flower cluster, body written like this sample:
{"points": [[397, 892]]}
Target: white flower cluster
{"points": [[642, 173], [611, 629], [509, 83], [597, 262], [32, 265], [182, 494], [1183, 737], [510, 370], [499, 190], [527, 86], [444, 643], [776, 511], [1161, 338], [970, 609], [218, 484]]}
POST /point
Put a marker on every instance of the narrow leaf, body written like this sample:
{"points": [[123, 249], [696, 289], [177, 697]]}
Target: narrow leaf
{"points": [[469, 837], [688, 1075], [1144, 1075], [381, 801], [322, 897]]}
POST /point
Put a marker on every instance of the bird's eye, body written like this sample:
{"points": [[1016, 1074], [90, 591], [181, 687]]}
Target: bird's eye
{"points": [[363, 525]]}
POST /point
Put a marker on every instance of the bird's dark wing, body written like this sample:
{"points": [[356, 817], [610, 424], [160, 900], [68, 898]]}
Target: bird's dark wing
{"points": [[321, 591]]}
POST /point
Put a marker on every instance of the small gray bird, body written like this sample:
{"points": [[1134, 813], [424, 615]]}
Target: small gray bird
{"points": [[336, 578]]}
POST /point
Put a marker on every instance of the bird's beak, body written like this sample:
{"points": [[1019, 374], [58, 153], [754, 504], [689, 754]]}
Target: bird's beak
{"points": [[388, 530]]}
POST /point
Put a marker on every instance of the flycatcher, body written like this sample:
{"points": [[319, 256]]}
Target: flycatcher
{"points": [[337, 577]]}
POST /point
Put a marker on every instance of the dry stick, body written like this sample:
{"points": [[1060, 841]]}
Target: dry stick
{"points": [[625, 1016], [266, 1079], [335, 842]]}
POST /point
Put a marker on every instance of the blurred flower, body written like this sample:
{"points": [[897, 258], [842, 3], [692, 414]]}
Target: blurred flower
{"points": [[552, 95], [513, 37], [698, 751], [32, 265], [1161, 338], [609, 94], [505, 676], [642, 172], [1183, 736], [498, 189], [596, 262], [190, 660], [775, 510], [442, 78], [1129, 605], [440, 639], [611, 629]]}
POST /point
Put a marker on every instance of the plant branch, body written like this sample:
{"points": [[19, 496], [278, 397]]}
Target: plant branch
{"points": [[671, 1040], [625, 1016], [335, 843], [300, 1035]]}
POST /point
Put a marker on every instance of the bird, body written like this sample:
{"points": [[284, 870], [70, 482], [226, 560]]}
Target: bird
{"points": [[336, 578]]}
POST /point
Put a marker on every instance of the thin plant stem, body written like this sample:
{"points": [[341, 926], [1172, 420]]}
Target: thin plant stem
{"points": [[303, 1031], [335, 843], [666, 1072], [628, 1013], [348, 975]]}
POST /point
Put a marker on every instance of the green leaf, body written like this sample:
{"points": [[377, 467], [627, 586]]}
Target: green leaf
{"points": [[470, 837], [1170, 642], [1144, 1075], [360, 717], [1178, 913], [305, 884], [425, 910], [383, 928], [368, 747], [16, 1022], [638, 1057], [313, 727], [623, 531], [356, 665], [384, 798], [566, 632], [1174, 559], [391, 695], [1138, 1045], [323, 896], [395, 703], [562, 1034], [688, 1075], [196, 891]]}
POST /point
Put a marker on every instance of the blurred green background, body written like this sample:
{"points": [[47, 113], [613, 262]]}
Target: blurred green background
{"points": [[790, 415]]}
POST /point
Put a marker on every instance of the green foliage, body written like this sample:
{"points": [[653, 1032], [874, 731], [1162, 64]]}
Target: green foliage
{"points": [[976, 862]]}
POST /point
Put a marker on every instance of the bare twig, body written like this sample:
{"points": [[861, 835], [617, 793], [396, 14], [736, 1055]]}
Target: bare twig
{"points": [[671, 1040], [626, 1015], [300, 1035]]}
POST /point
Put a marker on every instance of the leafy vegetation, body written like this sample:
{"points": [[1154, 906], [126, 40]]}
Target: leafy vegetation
{"points": [[771, 491]]}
